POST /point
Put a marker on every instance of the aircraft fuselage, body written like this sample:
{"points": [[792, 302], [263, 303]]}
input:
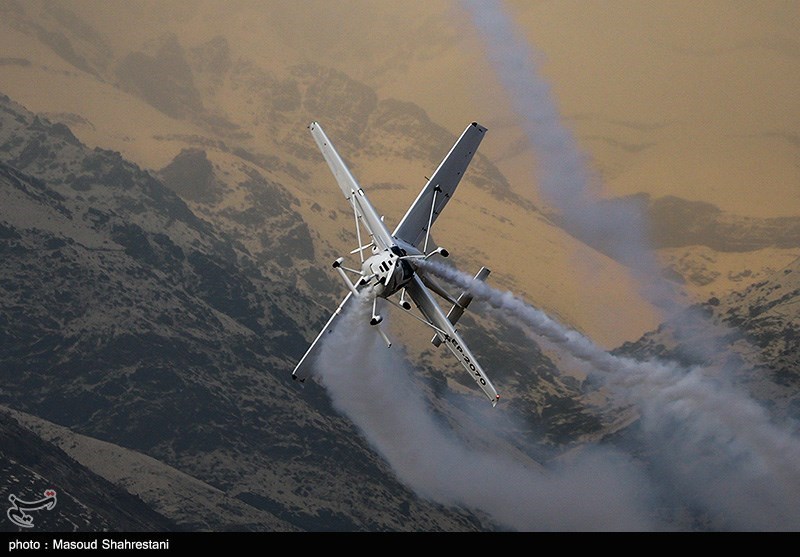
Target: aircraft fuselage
{"points": [[386, 271]]}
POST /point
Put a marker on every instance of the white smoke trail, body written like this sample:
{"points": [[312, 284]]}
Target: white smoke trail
{"points": [[600, 490], [563, 174], [716, 447]]}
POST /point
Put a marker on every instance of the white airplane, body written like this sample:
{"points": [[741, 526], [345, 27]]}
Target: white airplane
{"points": [[393, 266]]}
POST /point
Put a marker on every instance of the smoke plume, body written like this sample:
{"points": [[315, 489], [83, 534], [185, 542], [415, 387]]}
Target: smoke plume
{"points": [[598, 490], [564, 178], [712, 446]]}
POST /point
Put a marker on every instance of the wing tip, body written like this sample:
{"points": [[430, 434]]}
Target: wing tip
{"points": [[481, 129]]}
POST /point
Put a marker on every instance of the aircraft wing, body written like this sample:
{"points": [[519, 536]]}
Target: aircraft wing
{"points": [[415, 222], [433, 313], [351, 190], [303, 368]]}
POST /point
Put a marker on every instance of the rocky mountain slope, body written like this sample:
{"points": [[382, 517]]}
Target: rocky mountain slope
{"points": [[166, 223], [702, 249], [751, 333], [167, 89], [85, 502], [129, 319], [152, 347], [191, 503], [242, 88]]}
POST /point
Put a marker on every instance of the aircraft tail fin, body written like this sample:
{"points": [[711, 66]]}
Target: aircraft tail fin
{"points": [[461, 305]]}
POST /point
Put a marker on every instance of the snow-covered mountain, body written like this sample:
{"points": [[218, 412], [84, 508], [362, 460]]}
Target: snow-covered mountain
{"points": [[167, 224]]}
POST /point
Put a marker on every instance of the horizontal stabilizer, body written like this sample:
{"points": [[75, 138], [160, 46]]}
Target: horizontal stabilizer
{"points": [[461, 304]]}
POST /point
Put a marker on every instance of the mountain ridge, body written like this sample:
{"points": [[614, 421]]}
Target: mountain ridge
{"points": [[126, 313], [85, 502], [160, 283]]}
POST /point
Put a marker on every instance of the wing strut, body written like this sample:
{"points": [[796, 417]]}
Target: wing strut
{"points": [[436, 190], [358, 227]]}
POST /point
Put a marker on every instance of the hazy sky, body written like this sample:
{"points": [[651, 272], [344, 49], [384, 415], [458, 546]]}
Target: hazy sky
{"points": [[696, 99]]}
